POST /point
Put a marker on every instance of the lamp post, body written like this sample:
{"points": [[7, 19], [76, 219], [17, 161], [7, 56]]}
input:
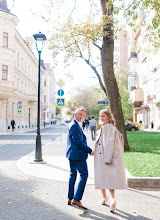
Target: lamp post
{"points": [[39, 41]]}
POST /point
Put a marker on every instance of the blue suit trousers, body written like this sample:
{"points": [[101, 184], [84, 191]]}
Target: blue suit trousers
{"points": [[81, 167]]}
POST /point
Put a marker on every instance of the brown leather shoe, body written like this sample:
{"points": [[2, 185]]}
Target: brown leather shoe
{"points": [[69, 201], [79, 204]]}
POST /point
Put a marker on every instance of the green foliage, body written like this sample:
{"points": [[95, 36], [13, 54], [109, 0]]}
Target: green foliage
{"points": [[146, 14], [88, 98], [143, 159], [127, 106]]}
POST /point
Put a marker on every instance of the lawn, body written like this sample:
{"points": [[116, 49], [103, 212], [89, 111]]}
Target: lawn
{"points": [[143, 160]]}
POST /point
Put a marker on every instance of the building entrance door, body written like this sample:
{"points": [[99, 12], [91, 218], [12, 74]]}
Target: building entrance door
{"points": [[29, 122]]}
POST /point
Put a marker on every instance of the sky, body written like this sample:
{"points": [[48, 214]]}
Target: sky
{"points": [[30, 24]]}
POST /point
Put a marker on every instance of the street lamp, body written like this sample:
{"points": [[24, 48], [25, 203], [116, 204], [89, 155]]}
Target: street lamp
{"points": [[39, 41]]}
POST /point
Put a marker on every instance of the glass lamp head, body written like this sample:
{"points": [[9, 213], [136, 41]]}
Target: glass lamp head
{"points": [[39, 41]]}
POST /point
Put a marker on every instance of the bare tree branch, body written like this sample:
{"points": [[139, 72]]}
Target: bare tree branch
{"points": [[72, 11], [96, 72], [97, 46]]}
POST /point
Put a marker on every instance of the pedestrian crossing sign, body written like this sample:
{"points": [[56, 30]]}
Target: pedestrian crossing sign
{"points": [[60, 102], [19, 111]]}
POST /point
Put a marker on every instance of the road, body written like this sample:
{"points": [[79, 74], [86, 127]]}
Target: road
{"points": [[22, 196]]}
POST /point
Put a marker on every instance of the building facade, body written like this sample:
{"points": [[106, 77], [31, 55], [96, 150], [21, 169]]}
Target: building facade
{"points": [[144, 79], [121, 51], [19, 77]]}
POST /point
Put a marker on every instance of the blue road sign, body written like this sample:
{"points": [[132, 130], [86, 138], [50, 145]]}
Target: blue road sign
{"points": [[19, 111], [60, 102], [102, 102], [60, 92]]}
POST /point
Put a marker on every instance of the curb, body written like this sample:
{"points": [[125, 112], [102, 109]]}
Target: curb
{"points": [[144, 182]]}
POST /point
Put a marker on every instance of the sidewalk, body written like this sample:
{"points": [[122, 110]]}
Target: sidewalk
{"points": [[25, 130], [56, 165], [132, 204]]}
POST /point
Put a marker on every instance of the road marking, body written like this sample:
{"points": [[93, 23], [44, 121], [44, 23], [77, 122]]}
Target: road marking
{"points": [[6, 142]]}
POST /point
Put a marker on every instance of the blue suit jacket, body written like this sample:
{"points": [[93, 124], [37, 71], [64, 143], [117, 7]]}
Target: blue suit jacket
{"points": [[77, 148]]}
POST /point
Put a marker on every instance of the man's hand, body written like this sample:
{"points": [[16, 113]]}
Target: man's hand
{"points": [[92, 153]]}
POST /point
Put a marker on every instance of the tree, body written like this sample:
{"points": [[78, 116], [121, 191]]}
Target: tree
{"points": [[78, 40], [89, 97], [127, 106]]}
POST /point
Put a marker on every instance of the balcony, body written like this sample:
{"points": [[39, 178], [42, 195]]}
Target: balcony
{"points": [[132, 55], [6, 89], [150, 98], [136, 97], [32, 98]]}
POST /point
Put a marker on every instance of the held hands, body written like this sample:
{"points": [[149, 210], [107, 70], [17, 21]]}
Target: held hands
{"points": [[92, 153]]}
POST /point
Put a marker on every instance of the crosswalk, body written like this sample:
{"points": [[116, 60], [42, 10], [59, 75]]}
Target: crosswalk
{"points": [[6, 142]]}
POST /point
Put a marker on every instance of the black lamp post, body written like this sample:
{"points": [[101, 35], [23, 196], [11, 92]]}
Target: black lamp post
{"points": [[39, 41]]}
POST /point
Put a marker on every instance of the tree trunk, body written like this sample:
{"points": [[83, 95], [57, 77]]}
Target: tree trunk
{"points": [[110, 82]]}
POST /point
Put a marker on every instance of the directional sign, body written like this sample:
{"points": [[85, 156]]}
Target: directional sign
{"points": [[19, 111], [60, 92], [102, 102], [60, 102]]}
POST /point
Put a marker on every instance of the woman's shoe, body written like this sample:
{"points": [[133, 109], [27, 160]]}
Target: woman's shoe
{"points": [[104, 201], [113, 206]]}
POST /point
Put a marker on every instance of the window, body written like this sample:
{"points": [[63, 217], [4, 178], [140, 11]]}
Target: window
{"points": [[5, 39], [12, 109], [44, 98], [17, 83], [25, 67], [22, 86], [45, 82], [18, 59], [22, 63], [4, 72]]}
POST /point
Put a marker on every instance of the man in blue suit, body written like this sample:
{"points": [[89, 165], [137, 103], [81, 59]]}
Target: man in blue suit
{"points": [[77, 153]]}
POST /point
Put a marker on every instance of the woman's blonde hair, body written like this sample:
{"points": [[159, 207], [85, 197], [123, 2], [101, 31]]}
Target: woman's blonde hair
{"points": [[110, 116]]}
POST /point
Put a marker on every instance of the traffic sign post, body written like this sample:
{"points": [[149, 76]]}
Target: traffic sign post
{"points": [[19, 111], [60, 102], [60, 83], [60, 92], [102, 102]]}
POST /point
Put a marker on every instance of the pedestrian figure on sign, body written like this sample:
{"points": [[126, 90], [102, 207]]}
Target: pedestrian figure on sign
{"points": [[13, 124]]}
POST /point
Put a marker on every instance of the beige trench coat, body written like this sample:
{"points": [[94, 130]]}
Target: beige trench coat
{"points": [[109, 167]]}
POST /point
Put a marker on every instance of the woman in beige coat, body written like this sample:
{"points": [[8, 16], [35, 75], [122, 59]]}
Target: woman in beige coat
{"points": [[109, 165]]}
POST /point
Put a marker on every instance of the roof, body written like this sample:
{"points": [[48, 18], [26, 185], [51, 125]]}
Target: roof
{"points": [[3, 5]]}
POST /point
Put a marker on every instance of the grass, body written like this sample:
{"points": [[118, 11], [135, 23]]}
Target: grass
{"points": [[143, 159]]}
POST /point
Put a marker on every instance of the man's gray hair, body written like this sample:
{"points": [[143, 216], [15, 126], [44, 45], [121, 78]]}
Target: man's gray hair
{"points": [[81, 108]]}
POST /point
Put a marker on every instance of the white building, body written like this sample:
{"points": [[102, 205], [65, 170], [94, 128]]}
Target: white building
{"points": [[144, 80], [121, 51], [19, 77]]}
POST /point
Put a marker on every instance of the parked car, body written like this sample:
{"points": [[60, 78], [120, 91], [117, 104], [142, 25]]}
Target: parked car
{"points": [[131, 127]]}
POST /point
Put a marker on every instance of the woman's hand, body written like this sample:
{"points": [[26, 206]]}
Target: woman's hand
{"points": [[92, 153]]}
